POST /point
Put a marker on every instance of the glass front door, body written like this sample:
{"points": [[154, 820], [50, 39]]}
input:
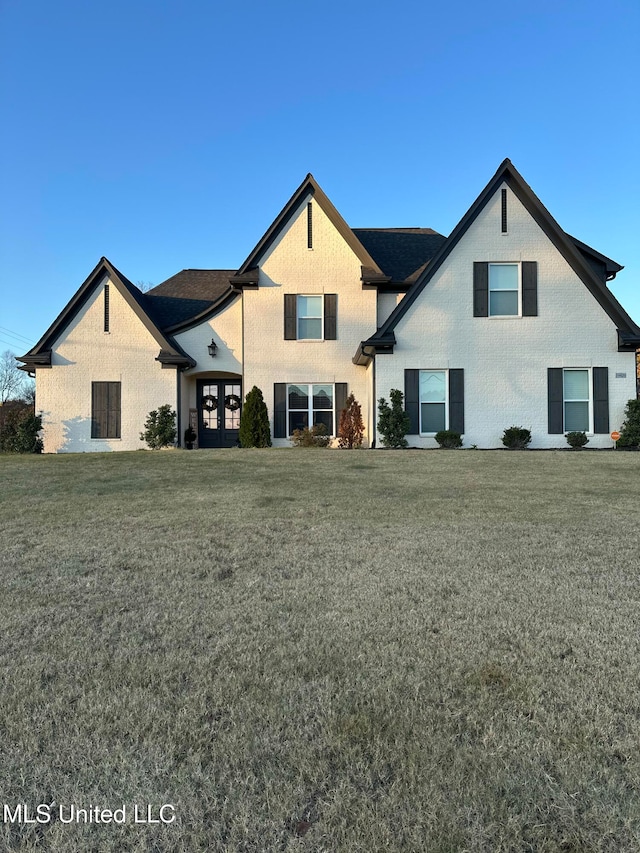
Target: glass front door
{"points": [[219, 406]]}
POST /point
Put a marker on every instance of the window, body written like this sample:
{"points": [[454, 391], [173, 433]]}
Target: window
{"points": [[308, 405], [309, 317], [575, 394], [105, 410], [433, 401], [504, 290]]}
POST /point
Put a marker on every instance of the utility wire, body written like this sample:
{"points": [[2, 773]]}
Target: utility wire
{"points": [[11, 334]]}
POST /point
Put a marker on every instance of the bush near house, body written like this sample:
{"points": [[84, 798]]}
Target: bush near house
{"points": [[19, 428], [316, 436], [351, 429], [449, 439], [630, 432], [516, 438], [254, 421], [160, 428], [393, 422], [577, 440]]}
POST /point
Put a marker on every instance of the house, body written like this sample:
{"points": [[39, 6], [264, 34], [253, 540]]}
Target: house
{"points": [[508, 321]]}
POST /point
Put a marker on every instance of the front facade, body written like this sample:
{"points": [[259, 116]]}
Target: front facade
{"points": [[507, 322]]}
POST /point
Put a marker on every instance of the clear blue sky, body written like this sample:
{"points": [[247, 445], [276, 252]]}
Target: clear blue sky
{"points": [[169, 135]]}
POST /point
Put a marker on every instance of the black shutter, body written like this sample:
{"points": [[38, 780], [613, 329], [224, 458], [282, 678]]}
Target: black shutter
{"points": [[555, 400], [290, 317], [98, 410], [280, 409], [113, 425], [412, 399], [330, 311], [601, 400], [480, 289], [529, 289], [456, 400], [340, 402]]}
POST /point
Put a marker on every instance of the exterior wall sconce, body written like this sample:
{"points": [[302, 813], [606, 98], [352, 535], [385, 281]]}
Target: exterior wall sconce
{"points": [[213, 348]]}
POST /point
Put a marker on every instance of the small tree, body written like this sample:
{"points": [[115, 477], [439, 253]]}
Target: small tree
{"points": [[393, 422], [351, 429], [630, 432], [12, 379], [254, 421], [160, 428]]}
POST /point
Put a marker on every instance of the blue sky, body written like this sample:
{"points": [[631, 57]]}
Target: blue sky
{"points": [[166, 135]]}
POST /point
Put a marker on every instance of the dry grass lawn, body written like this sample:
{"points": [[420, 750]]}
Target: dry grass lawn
{"points": [[323, 650]]}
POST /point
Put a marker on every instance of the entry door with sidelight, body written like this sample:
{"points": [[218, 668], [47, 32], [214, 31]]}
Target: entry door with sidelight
{"points": [[219, 405]]}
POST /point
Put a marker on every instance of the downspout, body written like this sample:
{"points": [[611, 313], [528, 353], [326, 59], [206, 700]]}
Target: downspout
{"points": [[179, 405], [373, 382]]}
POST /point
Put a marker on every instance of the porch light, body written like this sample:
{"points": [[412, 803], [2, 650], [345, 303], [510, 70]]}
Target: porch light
{"points": [[213, 348]]}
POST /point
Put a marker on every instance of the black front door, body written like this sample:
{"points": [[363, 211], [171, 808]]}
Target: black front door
{"points": [[219, 404]]}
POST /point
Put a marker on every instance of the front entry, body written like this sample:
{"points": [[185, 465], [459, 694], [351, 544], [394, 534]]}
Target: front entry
{"points": [[219, 405]]}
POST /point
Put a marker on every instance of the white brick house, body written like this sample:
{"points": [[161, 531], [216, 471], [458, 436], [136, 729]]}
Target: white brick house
{"points": [[508, 321]]}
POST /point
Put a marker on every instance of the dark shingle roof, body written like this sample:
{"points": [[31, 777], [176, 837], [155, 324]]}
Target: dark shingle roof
{"points": [[186, 295], [399, 252]]}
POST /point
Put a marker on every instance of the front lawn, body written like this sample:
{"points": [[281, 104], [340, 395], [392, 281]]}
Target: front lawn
{"points": [[323, 650]]}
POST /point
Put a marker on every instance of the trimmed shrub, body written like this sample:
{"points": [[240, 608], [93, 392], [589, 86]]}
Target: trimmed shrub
{"points": [[160, 428], [516, 438], [393, 422], [254, 421], [20, 431], [630, 432], [317, 436], [577, 440], [449, 439], [351, 429]]}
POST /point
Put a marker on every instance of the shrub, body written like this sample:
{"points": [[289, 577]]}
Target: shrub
{"points": [[393, 422], [448, 438], [577, 439], [254, 421], [630, 432], [317, 436], [20, 431], [516, 438], [160, 428], [351, 429]]}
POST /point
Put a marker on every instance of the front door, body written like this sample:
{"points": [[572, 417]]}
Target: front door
{"points": [[219, 405]]}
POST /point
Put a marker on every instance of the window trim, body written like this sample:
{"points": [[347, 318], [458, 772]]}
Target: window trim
{"points": [[589, 401], [490, 290], [310, 409], [446, 399], [299, 317]]}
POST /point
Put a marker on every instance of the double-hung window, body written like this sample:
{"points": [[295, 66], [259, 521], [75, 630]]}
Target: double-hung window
{"points": [[308, 405], [504, 290], [309, 318], [433, 401], [576, 400]]}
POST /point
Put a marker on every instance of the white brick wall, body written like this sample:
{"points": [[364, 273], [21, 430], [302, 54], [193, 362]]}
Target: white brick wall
{"points": [[85, 353], [290, 267], [506, 359]]}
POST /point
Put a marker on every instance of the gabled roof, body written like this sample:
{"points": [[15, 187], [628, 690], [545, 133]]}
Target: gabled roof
{"points": [[400, 252], [189, 297], [170, 350], [578, 255], [308, 187]]}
